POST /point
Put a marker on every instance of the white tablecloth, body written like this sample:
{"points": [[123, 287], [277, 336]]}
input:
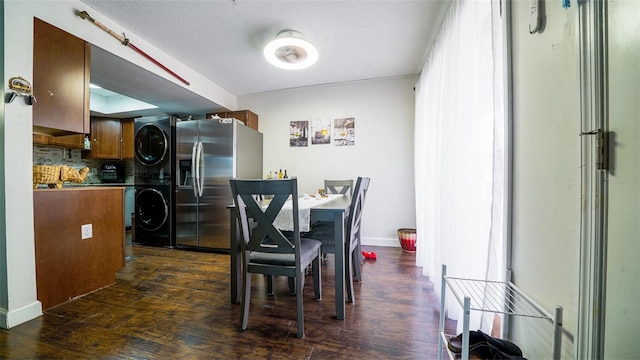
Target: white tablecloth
{"points": [[284, 220]]}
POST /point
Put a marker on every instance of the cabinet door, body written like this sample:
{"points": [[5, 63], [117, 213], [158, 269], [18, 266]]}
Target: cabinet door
{"points": [[106, 139], [127, 138], [247, 117], [60, 80]]}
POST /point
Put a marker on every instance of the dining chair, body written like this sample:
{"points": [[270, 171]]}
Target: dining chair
{"points": [[265, 249], [358, 256], [338, 186], [341, 187], [326, 235], [335, 187]]}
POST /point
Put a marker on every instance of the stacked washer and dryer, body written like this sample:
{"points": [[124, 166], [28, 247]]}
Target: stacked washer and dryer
{"points": [[182, 173], [154, 180]]}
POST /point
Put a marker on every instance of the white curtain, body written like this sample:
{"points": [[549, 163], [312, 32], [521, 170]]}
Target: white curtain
{"points": [[459, 151]]}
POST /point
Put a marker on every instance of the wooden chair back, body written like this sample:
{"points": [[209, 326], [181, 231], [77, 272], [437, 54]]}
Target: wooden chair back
{"points": [[338, 187]]}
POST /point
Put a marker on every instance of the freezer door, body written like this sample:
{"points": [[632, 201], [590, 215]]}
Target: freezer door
{"points": [[216, 170], [186, 201]]}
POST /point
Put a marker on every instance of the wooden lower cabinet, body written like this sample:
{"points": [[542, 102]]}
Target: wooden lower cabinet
{"points": [[68, 266]]}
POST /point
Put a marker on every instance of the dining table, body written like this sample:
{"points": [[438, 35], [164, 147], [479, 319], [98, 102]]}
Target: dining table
{"points": [[334, 209]]}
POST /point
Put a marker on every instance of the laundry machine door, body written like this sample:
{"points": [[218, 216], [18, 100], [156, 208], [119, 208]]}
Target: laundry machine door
{"points": [[152, 210], [151, 145]]}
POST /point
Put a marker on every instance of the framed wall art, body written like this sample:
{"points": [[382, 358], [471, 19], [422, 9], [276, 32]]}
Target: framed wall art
{"points": [[320, 132], [298, 133], [344, 132]]}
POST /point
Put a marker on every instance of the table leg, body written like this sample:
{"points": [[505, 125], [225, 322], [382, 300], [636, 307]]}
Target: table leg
{"points": [[236, 281], [339, 263]]}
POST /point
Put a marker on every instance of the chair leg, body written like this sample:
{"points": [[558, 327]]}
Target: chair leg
{"points": [[292, 285], [358, 259], [357, 266], [270, 289], [299, 304], [317, 278], [348, 274], [246, 299]]}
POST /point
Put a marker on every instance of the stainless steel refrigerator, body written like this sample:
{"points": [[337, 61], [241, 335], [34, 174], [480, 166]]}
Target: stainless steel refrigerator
{"points": [[209, 153]]}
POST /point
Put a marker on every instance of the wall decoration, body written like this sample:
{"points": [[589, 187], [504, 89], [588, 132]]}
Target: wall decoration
{"points": [[298, 133], [19, 86], [320, 132], [344, 132]]}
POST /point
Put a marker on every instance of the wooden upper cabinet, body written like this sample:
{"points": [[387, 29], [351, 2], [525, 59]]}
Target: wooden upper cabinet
{"points": [[68, 141], [246, 116], [105, 139], [75, 141], [61, 74], [127, 138], [111, 139]]}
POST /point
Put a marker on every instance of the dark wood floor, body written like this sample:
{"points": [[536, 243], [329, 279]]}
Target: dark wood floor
{"points": [[175, 304]]}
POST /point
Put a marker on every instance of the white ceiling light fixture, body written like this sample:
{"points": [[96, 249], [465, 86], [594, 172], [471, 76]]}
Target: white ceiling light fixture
{"points": [[290, 51]]}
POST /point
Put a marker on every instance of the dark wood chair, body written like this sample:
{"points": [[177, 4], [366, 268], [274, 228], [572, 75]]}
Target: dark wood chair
{"points": [[265, 249], [326, 233]]}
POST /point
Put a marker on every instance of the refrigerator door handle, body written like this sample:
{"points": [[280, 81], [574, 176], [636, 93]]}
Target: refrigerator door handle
{"points": [[194, 171], [200, 168]]}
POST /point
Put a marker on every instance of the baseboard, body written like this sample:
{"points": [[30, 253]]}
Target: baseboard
{"points": [[380, 242], [21, 315]]}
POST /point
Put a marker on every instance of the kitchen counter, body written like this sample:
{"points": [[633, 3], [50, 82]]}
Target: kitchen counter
{"points": [[97, 185], [79, 240], [129, 200], [75, 186]]}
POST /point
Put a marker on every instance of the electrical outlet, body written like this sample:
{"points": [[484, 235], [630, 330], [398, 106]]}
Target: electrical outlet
{"points": [[87, 231]]}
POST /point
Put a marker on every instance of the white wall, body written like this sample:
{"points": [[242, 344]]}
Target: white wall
{"points": [[383, 112], [20, 291], [384, 124], [546, 160]]}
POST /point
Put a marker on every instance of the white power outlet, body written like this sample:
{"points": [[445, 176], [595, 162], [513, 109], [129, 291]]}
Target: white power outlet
{"points": [[87, 231]]}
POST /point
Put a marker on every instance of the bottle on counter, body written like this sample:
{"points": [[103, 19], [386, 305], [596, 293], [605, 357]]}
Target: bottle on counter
{"points": [[285, 174], [87, 143], [269, 176], [280, 174]]}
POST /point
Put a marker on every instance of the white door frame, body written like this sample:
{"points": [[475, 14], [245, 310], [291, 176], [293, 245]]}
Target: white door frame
{"points": [[593, 235]]}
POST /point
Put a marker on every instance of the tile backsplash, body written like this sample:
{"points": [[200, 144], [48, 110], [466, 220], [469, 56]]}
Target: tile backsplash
{"points": [[73, 157]]}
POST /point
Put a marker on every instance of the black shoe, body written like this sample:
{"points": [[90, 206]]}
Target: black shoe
{"points": [[487, 351], [478, 338]]}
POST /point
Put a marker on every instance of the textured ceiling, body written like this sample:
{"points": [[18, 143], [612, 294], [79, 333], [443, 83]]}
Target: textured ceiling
{"points": [[223, 39]]}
